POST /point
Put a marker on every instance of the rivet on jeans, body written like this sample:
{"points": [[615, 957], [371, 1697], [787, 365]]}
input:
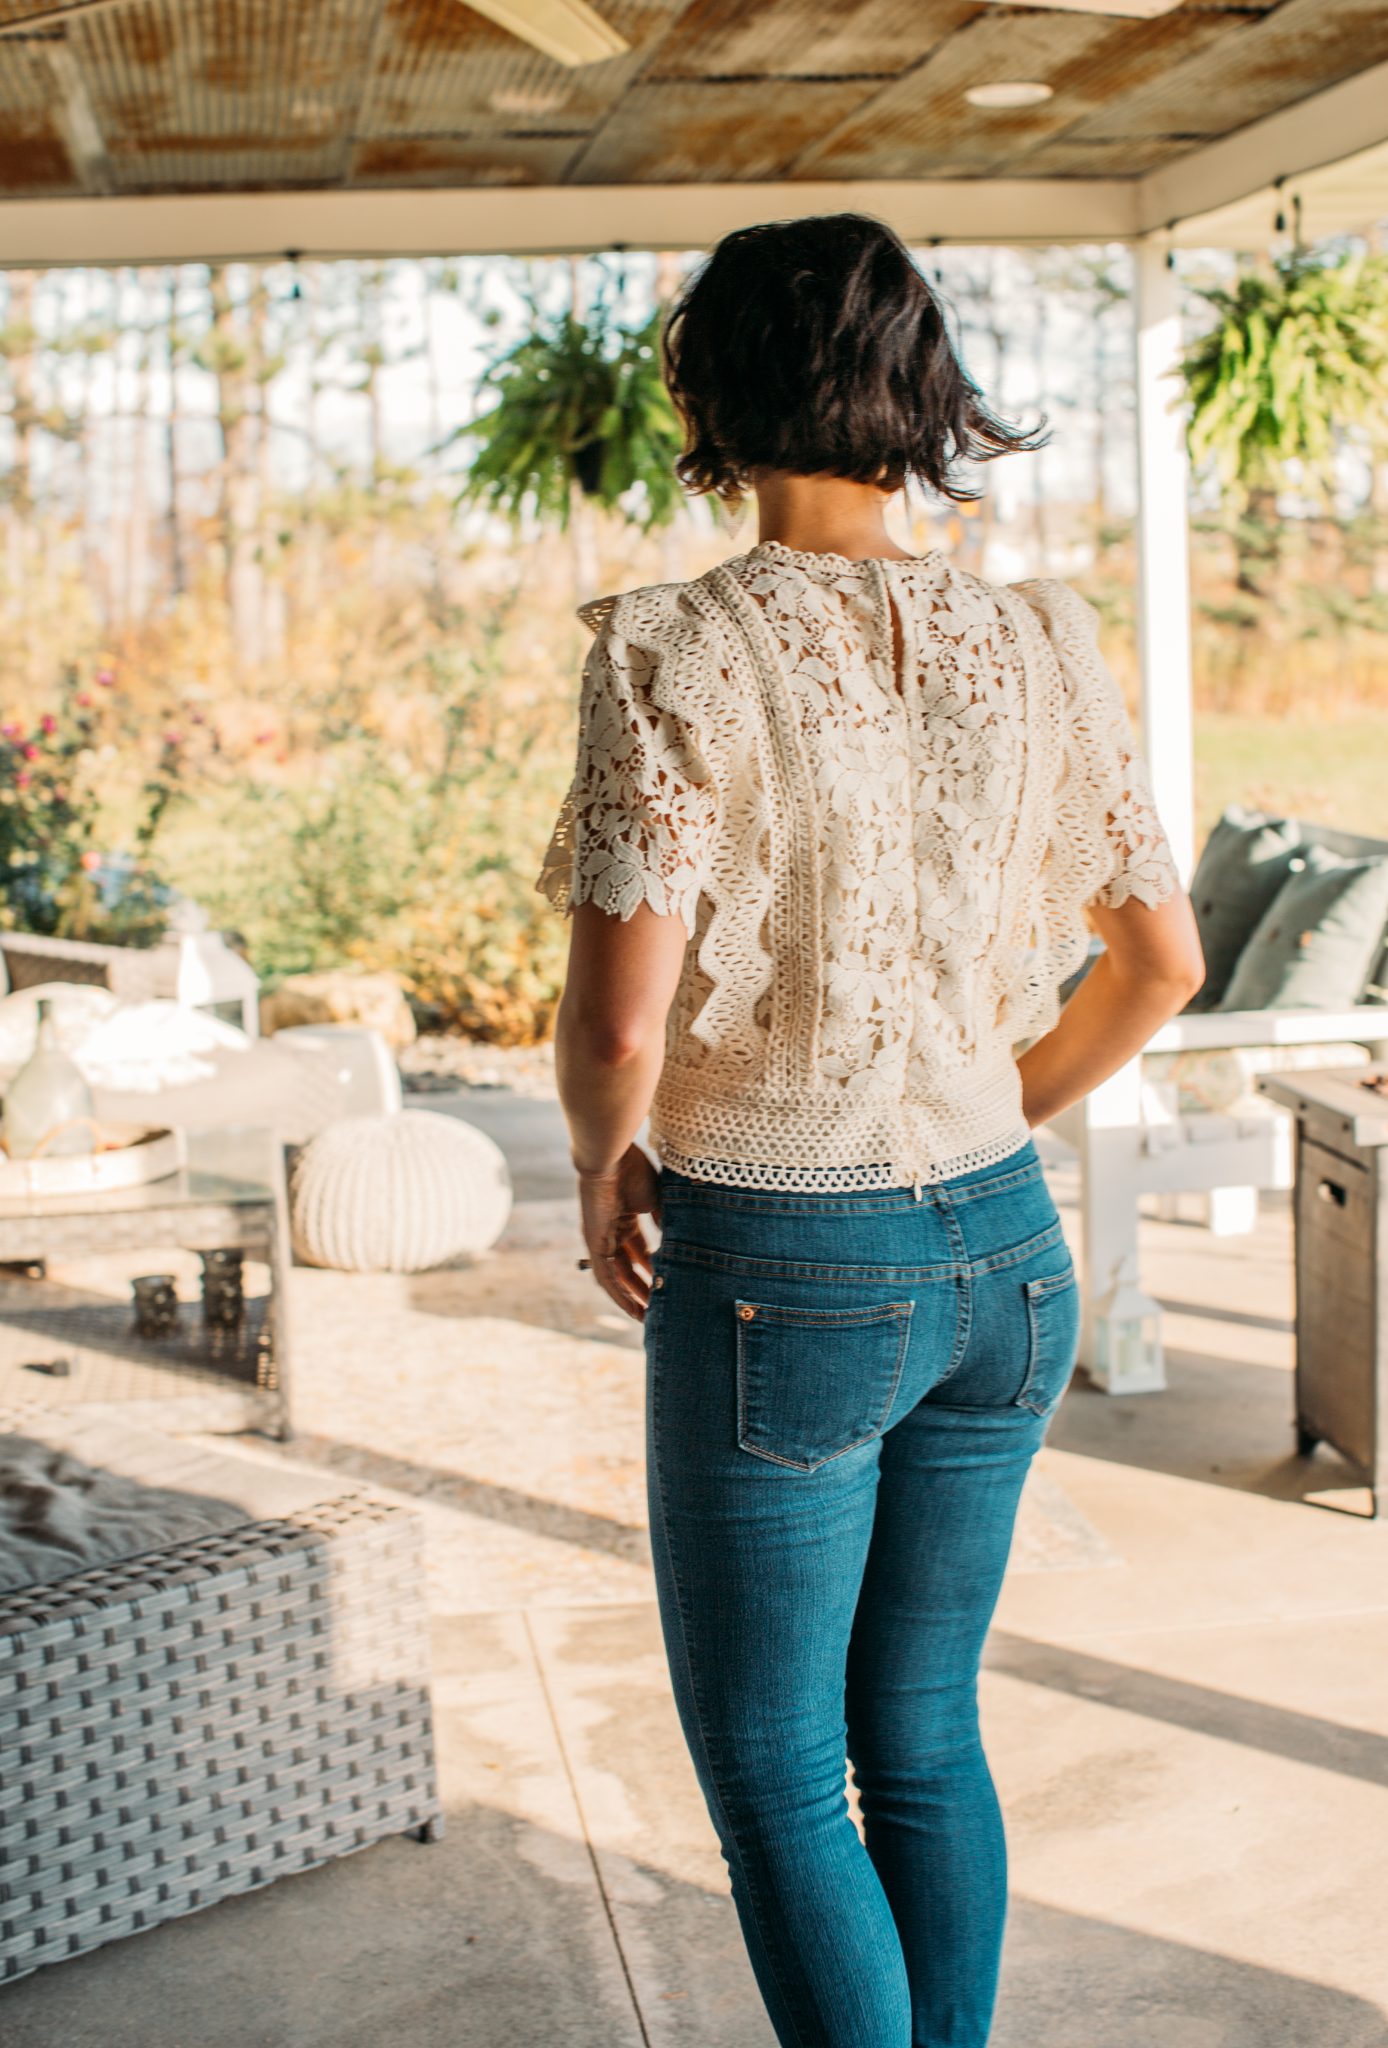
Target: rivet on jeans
{"points": [[746, 1311]]}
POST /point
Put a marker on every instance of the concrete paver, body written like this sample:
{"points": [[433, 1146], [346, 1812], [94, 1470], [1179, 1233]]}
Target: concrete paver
{"points": [[1183, 1698], [658, 1856], [496, 1937]]}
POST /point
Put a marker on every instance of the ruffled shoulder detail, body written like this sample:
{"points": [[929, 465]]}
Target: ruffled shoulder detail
{"points": [[1120, 846], [1100, 838], [637, 820]]}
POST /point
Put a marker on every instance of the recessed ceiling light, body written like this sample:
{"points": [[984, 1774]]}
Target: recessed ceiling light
{"points": [[1008, 92]]}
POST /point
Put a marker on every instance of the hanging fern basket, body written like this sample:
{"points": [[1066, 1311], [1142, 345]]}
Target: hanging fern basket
{"points": [[578, 405]]}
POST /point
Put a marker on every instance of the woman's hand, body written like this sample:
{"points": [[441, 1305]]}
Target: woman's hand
{"points": [[611, 1204]]}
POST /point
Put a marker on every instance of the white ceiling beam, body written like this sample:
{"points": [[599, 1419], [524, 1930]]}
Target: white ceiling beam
{"points": [[1339, 122], [541, 220]]}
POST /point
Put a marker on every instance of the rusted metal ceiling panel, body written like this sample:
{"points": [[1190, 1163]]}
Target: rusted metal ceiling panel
{"points": [[1062, 158], [463, 160], [34, 157], [188, 95], [677, 131], [807, 38], [191, 93], [923, 126], [1265, 64], [438, 68]]}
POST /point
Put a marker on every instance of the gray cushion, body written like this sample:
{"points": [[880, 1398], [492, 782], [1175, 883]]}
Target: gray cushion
{"points": [[81, 1490], [1245, 861], [1317, 941]]}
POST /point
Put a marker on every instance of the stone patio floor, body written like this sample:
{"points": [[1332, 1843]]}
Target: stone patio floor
{"points": [[1185, 1698]]}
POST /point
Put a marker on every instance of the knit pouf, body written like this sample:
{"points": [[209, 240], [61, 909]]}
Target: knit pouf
{"points": [[397, 1194]]}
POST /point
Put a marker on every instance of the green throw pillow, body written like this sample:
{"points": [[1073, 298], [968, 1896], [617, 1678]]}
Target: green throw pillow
{"points": [[1246, 859], [1316, 943]]}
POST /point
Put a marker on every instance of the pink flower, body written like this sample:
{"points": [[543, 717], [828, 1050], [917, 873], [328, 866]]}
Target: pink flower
{"points": [[173, 739], [106, 678], [29, 751], [83, 698], [91, 861], [9, 730], [48, 724], [23, 779], [263, 739]]}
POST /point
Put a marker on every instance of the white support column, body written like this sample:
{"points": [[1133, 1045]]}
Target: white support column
{"points": [[1163, 541]]}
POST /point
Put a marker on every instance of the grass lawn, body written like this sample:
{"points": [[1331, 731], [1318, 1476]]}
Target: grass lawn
{"points": [[1330, 771]]}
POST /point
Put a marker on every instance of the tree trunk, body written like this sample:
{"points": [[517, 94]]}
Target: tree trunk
{"points": [[1258, 546], [583, 544], [239, 476], [135, 590], [272, 630], [1040, 508], [373, 361], [1378, 513], [177, 566], [19, 504], [308, 584], [1098, 489]]}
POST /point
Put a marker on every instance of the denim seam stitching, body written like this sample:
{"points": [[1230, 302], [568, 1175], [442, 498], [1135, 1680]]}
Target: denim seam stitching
{"points": [[683, 1253], [803, 1269], [715, 1195], [695, 1695], [996, 1262], [799, 1464], [788, 1314]]}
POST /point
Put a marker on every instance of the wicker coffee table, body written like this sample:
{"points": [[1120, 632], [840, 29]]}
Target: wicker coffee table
{"points": [[66, 1338]]}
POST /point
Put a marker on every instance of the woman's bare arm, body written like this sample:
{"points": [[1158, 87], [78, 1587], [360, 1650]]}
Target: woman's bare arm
{"points": [[1151, 967], [609, 1042]]}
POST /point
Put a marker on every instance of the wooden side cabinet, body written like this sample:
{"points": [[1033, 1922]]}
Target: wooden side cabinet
{"points": [[1341, 1229]]}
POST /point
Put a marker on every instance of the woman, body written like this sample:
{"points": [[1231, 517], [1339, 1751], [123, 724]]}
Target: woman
{"points": [[837, 815]]}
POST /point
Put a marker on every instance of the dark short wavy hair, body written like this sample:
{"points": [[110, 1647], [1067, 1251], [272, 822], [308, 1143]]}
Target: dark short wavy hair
{"points": [[817, 346]]}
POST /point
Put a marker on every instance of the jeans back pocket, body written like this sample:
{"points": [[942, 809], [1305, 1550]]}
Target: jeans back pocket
{"points": [[813, 1383], [1053, 1330]]}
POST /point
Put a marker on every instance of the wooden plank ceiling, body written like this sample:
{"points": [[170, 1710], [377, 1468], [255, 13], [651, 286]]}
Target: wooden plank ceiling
{"points": [[154, 96]]}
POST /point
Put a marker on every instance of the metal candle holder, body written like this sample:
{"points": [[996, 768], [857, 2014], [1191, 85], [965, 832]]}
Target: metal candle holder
{"points": [[223, 1288], [156, 1305]]}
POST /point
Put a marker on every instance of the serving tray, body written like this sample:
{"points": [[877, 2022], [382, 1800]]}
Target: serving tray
{"points": [[131, 1154]]}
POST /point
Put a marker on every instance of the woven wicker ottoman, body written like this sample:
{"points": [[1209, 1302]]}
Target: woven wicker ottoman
{"points": [[192, 1721]]}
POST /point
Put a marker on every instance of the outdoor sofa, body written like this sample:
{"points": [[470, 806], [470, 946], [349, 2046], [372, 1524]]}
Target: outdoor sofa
{"points": [[1181, 1118], [214, 1671]]}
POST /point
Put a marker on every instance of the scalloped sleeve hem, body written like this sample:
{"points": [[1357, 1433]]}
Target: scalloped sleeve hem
{"points": [[637, 821]]}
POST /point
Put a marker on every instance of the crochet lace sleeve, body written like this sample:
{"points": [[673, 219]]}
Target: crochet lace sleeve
{"points": [[636, 823], [1107, 841]]}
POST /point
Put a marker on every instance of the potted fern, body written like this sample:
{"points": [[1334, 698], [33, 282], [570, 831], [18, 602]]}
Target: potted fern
{"points": [[579, 418], [1296, 352]]}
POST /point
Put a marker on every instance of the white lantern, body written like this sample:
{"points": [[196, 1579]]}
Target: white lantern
{"points": [[210, 975], [1127, 1352]]}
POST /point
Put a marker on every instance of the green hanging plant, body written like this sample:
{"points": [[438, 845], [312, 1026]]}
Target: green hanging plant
{"points": [[580, 410], [1293, 355], [1296, 354]]}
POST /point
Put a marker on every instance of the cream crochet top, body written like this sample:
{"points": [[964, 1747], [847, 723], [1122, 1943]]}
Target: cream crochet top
{"points": [[878, 794]]}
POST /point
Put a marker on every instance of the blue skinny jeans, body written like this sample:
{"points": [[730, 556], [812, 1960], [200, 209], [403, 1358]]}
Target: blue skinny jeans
{"points": [[844, 1393]]}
